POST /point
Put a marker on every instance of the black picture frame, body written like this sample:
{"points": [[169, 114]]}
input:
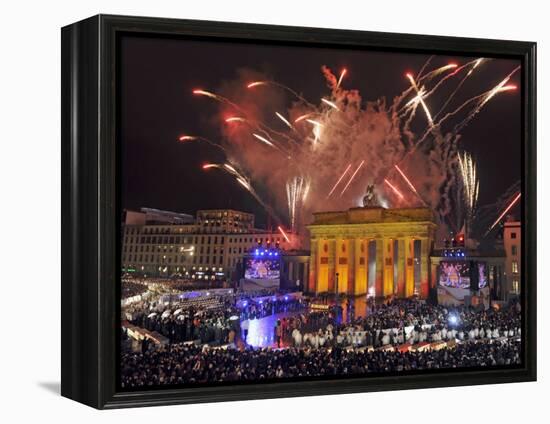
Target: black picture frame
{"points": [[91, 210]]}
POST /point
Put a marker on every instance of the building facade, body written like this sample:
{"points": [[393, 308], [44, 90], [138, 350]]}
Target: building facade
{"points": [[206, 248], [295, 270], [374, 250], [512, 246]]}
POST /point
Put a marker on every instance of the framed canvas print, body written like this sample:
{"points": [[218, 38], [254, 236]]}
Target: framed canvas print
{"points": [[257, 211]]}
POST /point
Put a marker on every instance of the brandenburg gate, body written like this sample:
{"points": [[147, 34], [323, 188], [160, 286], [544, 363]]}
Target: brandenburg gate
{"points": [[372, 249]]}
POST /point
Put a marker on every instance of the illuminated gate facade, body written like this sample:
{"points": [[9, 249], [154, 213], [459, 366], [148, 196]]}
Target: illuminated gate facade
{"points": [[380, 251]]}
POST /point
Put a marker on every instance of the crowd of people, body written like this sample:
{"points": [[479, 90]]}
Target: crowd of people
{"points": [[206, 320], [213, 319], [411, 321], [131, 289], [171, 284], [207, 341], [255, 309], [194, 364]]}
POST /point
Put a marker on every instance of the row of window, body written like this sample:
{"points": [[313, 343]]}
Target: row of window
{"points": [[224, 223], [141, 258], [218, 215], [197, 240], [146, 248], [158, 240], [155, 229], [179, 259], [222, 230], [198, 270]]}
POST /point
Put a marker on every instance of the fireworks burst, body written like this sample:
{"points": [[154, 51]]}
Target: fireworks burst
{"points": [[243, 181], [420, 93], [297, 190], [501, 87], [344, 133], [473, 65], [470, 186]]}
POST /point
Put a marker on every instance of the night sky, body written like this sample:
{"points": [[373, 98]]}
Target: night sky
{"points": [[157, 106]]}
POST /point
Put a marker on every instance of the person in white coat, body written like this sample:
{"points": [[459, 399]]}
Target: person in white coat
{"points": [[482, 333], [297, 337], [322, 339]]}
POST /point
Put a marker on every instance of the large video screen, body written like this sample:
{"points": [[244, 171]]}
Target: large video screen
{"points": [[456, 274], [262, 269]]}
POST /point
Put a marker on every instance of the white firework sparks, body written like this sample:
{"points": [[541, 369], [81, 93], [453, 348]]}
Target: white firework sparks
{"points": [[345, 143], [470, 185], [297, 190]]}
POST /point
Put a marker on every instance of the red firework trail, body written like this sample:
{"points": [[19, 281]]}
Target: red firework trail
{"points": [[410, 184], [339, 180], [352, 177], [210, 165], [187, 138], [406, 179], [234, 119], [512, 203], [344, 71], [283, 233], [394, 189]]}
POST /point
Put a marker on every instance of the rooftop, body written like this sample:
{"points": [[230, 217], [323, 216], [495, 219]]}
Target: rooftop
{"points": [[372, 215]]}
